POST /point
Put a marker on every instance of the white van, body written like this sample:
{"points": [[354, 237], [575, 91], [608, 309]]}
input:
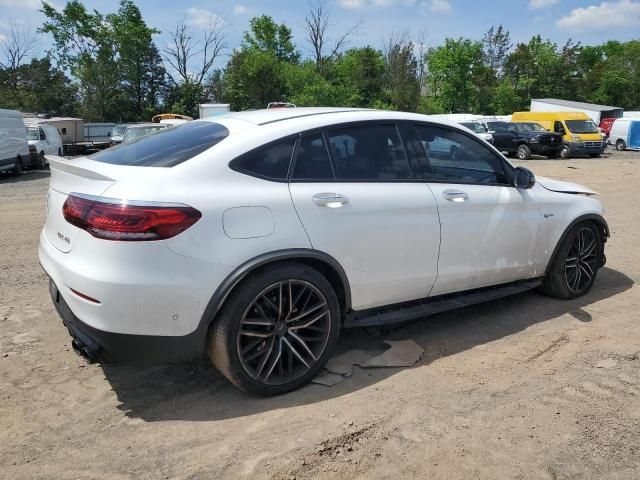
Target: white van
{"points": [[14, 149], [625, 133], [43, 140]]}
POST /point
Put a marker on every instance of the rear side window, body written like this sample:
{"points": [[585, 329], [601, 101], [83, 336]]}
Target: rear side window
{"points": [[312, 159], [368, 152], [270, 162], [167, 148]]}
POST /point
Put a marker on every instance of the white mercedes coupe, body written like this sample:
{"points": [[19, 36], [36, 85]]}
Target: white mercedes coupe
{"points": [[255, 237]]}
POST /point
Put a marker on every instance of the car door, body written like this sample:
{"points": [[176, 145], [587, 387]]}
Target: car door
{"points": [[361, 203], [489, 229]]}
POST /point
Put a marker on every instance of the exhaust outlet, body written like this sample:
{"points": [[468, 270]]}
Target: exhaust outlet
{"points": [[82, 350]]}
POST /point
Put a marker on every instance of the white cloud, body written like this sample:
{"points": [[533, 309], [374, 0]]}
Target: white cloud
{"points": [[607, 15], [538, 4], [3, 38], [357, 4], [201, 18], [241, 9], [440, 6]]}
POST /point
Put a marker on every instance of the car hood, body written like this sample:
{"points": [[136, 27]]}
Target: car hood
{"points": [[563, 187], [32, 142]]}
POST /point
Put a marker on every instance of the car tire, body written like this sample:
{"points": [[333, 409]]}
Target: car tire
{"points": [[552, 156], [576, 263], [17, 168], [621, 145], [564, 152], [40, 162], [257, 344], [524, 152]]}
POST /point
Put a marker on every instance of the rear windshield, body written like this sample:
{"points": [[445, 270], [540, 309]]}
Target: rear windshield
{"points": [[167, 148]]}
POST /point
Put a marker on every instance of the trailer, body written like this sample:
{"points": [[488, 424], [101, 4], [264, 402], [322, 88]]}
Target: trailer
{"points": [[72, 132], [595, 111], [98, 132]]}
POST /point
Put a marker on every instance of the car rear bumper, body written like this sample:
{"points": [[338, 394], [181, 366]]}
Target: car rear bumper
{"points": [[130, 288], [109, 348]]}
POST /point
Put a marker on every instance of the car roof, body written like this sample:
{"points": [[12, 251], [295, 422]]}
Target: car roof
{"points": [[303, 118]]}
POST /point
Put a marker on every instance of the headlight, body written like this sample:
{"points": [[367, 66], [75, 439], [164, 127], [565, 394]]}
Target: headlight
{"points": [[535, 139], [575, 138]]}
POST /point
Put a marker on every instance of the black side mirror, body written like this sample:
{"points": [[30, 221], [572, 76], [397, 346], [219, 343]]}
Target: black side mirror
{"points": [[524, 178]]}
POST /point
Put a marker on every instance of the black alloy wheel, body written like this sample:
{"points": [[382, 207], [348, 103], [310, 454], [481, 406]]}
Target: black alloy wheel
{"points": [[581, 262], [276, 329], [283, 332], [576, 263]]}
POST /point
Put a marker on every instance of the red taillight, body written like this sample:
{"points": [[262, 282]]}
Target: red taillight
{"points": [[132, 221]]}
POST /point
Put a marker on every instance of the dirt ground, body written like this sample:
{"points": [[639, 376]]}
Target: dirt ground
{"points": [[524, 388]]}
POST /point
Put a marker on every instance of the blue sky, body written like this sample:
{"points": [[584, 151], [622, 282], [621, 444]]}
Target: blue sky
{"points": [[588, 21]]}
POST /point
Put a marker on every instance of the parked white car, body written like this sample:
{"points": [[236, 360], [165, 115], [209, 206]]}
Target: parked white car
{"points": [[43, 140], [480, 129], [117, 134], [257, 236], [14, 149]]}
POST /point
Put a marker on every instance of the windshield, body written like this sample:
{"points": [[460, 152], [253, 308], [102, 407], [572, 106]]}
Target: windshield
{"points": [[139, 132], [33, 134], [581, 126], [118, 130], [530, 127], [474, 127]]}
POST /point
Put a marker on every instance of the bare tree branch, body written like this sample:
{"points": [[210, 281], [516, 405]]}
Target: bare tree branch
{"points": [[19, 44], [316, 26], [184, 48]]}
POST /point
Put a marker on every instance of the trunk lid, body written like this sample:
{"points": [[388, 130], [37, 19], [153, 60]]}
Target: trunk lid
{"points": [[69, 176]]}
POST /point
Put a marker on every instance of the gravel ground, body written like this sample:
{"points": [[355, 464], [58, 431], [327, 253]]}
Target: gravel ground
{"points": [[525, 387]]}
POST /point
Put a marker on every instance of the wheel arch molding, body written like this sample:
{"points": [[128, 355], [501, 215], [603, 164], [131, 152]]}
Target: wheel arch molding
{"points": [[597, 219], [326, 264]]}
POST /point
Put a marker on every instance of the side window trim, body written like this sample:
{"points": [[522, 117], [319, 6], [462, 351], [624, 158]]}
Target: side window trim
{"points": [[294, 158], [507, 172]]}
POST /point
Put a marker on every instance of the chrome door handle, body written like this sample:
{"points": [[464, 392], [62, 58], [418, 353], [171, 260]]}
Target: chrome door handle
{"points": [[331, 200], [455, 196]]}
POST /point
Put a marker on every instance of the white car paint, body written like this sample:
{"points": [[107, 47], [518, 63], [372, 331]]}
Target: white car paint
{"points": [[13, 140], [395, 241]]}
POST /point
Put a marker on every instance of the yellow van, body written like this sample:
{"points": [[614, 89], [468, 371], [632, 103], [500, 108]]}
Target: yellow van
{"points": [[579, 133]]}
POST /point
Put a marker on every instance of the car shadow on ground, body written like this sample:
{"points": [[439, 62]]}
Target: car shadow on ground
{"points": [[199, 393], [26, 176]]}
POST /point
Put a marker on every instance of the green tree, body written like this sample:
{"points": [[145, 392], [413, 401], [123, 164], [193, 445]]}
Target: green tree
{"points": [[253, 78], [496, 44], [267, 36], [453, 70], [402, 88], [38, 87], [112, 56], [361, 73]]}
